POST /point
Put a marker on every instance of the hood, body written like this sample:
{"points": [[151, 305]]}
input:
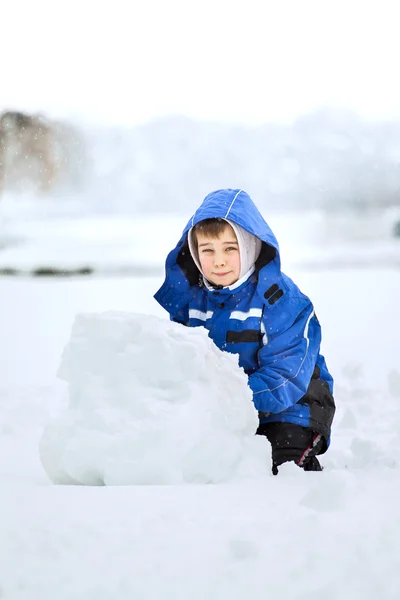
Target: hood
{"points": [[235, 206], [229, 204]]}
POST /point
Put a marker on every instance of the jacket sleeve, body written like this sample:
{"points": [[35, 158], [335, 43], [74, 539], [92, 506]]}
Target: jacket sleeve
{"points": [[291, 344], [175, 293], [175, 303]]}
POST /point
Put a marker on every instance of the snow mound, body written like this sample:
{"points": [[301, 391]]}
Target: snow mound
{"points": [[150, 402]]}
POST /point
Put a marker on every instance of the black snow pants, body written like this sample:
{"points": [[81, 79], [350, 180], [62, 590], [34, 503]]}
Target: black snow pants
{"points": [[291, 442]]}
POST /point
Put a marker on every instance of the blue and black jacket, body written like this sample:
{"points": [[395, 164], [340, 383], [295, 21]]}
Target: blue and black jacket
{"points": [[264, 318]]}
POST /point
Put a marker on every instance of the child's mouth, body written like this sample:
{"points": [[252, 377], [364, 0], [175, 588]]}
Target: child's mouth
{"points": [[222, 274]]}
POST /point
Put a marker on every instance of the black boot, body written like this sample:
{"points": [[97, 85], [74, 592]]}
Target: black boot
{"points": [[292, 442], [312, 465]]}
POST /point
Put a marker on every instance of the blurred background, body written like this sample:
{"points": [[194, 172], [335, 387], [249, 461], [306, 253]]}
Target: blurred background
{"points": [[116, 119]]}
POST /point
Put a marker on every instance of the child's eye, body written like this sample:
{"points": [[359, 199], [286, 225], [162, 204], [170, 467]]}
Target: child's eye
{"points": [[206, 250], [231, 248]]}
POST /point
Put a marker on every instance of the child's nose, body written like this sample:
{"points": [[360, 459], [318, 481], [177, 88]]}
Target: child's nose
{"points": [[219, 259]]}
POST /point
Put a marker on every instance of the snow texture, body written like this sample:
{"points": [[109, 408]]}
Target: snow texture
{"points": [[302, 536], [150, 402]]}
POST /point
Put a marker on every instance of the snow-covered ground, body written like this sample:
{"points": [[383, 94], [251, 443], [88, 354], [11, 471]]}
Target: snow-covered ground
{"points": [[332, 535]]}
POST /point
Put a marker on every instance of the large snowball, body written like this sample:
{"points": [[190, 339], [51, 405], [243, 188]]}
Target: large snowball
{"points": [[151, 402]]}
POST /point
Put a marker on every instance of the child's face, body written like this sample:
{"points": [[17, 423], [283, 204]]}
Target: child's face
{"points": [[219, 257]]}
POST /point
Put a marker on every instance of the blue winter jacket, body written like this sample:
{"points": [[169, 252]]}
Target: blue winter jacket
{"points": [[266, 320]]}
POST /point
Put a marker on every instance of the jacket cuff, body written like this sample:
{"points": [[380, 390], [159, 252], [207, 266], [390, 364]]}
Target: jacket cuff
{"points": [[168, 297], [256, 384]]}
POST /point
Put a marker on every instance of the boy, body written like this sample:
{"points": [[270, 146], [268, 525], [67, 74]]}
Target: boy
{"points": [[224, 274]]}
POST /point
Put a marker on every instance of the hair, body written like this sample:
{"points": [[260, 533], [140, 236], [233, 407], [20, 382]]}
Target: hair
{"points": [[211, 228]]}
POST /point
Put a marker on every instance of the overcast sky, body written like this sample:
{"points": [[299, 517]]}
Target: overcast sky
{"points": [[249, 61]]}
